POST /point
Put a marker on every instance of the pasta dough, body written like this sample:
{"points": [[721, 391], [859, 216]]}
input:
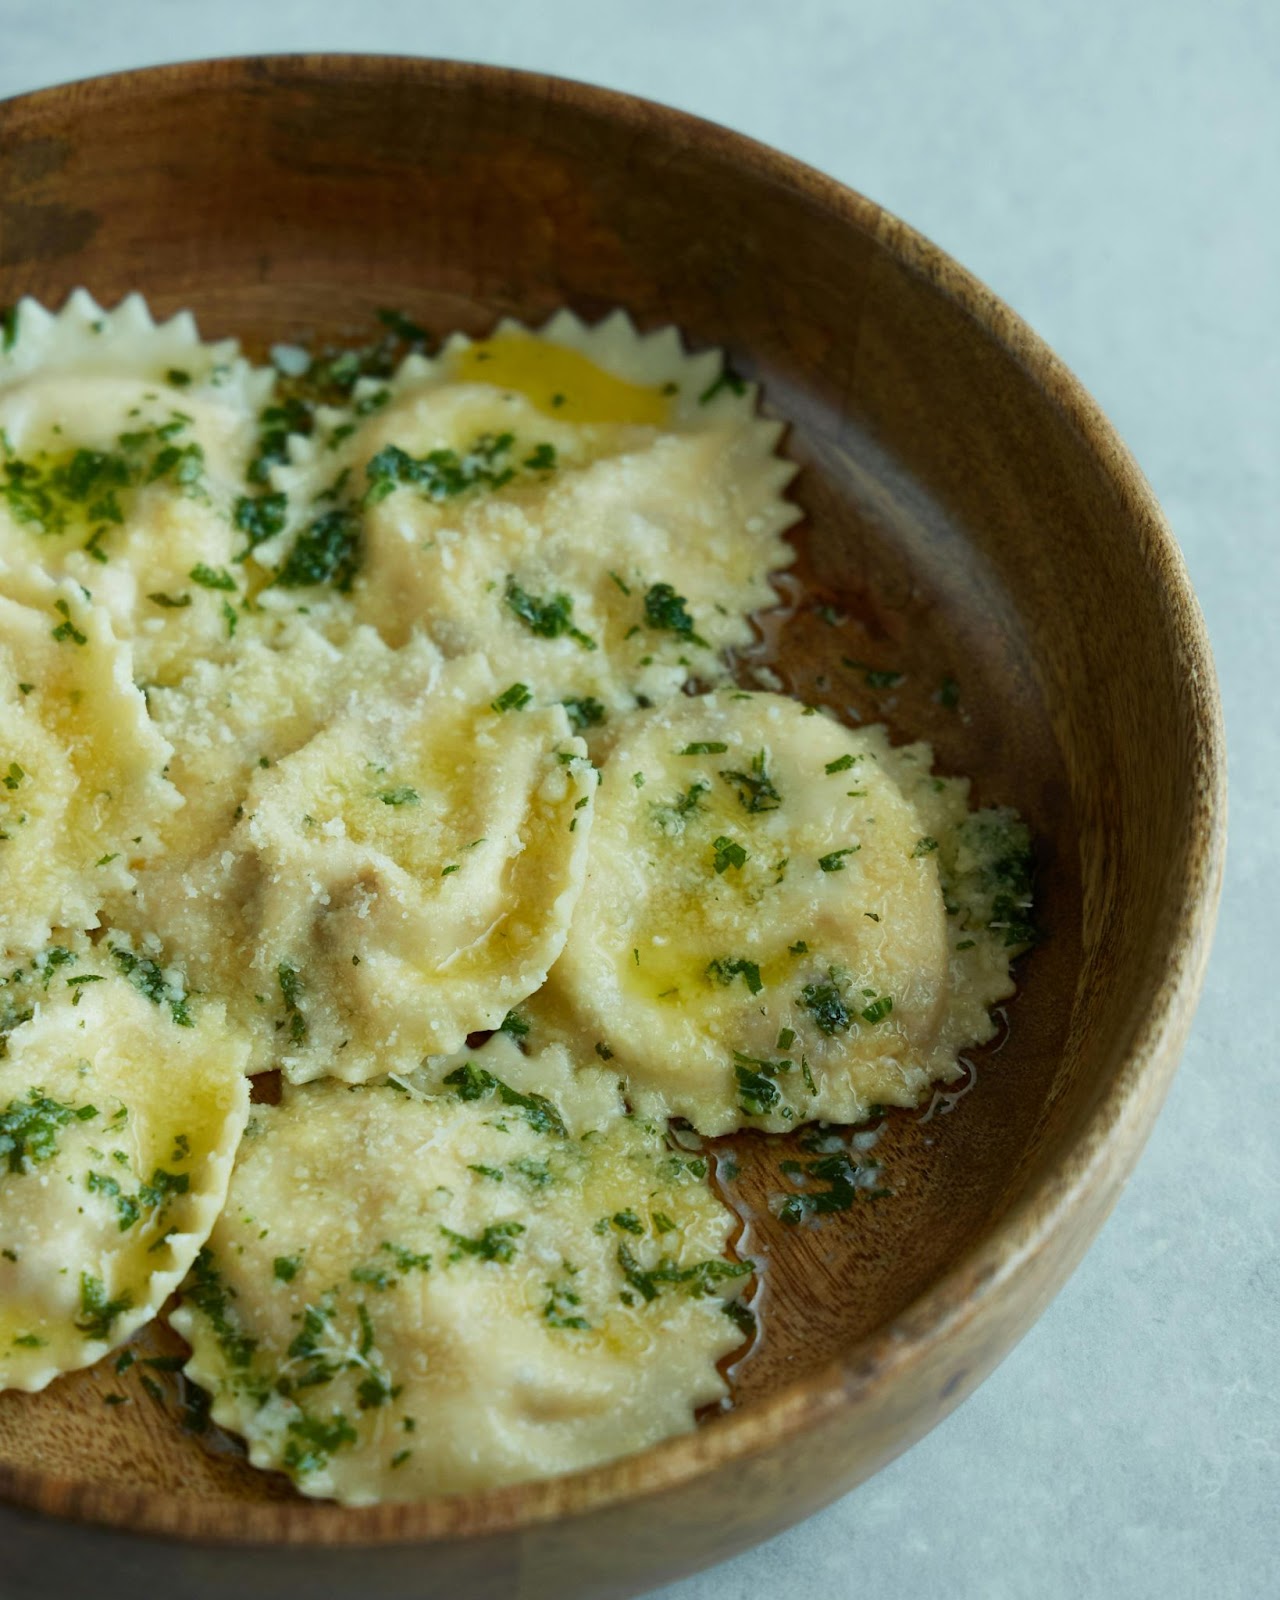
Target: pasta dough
{"points": [[410, 1297], [120, 1111], [763, 937], [123, 448], [400, 881], [602, 540], [82, 767]]}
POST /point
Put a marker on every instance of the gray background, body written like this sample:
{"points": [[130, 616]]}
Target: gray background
{"points": [[1113, 170]]}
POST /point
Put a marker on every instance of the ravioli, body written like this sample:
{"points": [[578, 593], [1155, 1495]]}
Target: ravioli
{"points": [[122, 454], [585, 1098], [763, 937], [410, 1297], [414, 867], [228, 719], [604, 549], [82, 767], [120, 1112]]}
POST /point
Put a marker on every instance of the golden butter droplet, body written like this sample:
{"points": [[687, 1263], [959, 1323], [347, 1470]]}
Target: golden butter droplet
{"points": [[561, 383]]}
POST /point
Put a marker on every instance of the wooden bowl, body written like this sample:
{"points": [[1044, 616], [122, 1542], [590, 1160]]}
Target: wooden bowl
{"points": [[969, 514]]}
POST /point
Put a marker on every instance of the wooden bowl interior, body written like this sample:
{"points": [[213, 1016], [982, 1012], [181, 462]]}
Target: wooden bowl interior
{"points": [[959, 521]]}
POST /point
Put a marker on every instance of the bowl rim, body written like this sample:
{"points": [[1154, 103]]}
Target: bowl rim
{"points": [[1108, 1143]]}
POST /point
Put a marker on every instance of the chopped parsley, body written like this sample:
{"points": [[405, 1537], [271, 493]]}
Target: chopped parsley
{"points": [[151, 980], [67, 629], [756, 791], [833, 861], [183, 463], [470, 1082], [728, 380], [757, 1093], [290, 981], [841, 763], [211, 577], [378, 1275], [402, 327], [728, 854], [259, 518], [212, 1298], [404, 795], [127, 1208], [703, 747], [987, 877], [742, 1317], [670, 816], [98, 1314], [49, 495], [285, 1268], [842, 1181], [696, 1280], [29, 1128], [826, 1005], [313, 1440], [495, 1243], [513, 1025], [13, 778], [667, 611], [275, 424], [548, 619], [516, 698], [925, 846], [325, 552], [725, 971], [584, 713], [878, 1010], [561, 1309], [375, 1389], [441, 474]]}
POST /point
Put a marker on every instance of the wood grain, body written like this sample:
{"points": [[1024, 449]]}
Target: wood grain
{"points": [[969, 514]]}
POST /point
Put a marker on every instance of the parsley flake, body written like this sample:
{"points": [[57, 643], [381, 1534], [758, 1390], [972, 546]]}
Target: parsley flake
{"points": [[728, 854]]}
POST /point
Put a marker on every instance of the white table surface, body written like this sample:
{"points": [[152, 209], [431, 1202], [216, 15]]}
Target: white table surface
{"points": [[1113, 170]]}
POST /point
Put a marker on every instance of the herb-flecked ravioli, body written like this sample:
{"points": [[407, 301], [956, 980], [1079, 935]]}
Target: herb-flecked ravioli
{"points": [[411, 872], [585, 1098], [200, 893], [120, 1111], [763, 938], [406, 1297], [605, 540], [82, 786], [122, 454], [227, 719]]}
